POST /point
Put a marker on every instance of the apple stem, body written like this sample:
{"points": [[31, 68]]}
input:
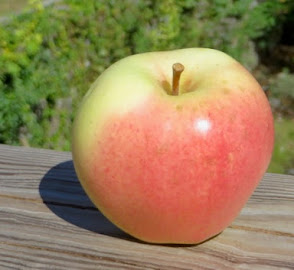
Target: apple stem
{"points": [[178, 68]]}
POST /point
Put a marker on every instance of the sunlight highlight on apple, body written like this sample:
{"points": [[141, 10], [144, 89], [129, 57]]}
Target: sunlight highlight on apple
{"points": [[202, 125]]}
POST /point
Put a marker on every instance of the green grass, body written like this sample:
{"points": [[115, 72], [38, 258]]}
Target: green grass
{"points": [[8, 7], [283, 154]]}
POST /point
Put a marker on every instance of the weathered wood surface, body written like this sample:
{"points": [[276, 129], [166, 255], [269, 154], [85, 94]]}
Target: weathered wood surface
{"points": [[47, 222]]}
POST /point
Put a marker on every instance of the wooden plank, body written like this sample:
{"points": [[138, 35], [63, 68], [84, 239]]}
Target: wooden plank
{"points": [[47, 222]]}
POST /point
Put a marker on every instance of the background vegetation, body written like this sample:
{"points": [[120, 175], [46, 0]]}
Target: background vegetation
{"points": [[49, 56]]}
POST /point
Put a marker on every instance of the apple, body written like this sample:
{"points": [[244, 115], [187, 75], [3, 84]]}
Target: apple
{"points": [[170, 145]]}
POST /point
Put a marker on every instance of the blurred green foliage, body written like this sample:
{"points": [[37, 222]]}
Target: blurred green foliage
{"points": [[282, 92], [282, 161], [50, 56], [7, 6]]}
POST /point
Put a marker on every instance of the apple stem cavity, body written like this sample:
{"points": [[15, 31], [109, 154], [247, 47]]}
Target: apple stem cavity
{"points": [[178, 68]]}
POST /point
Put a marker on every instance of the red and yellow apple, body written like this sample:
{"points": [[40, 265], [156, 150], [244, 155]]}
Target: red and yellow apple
{"points": [[169, 159]]}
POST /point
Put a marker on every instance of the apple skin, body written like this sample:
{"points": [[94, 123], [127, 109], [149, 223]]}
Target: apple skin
{"points": [[173, 169]]}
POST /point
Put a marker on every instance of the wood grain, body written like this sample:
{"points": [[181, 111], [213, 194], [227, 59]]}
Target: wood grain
{"points": [[47, 222]]}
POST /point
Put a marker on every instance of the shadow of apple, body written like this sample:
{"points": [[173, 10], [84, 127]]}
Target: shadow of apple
{"points": [[62, 193]]}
